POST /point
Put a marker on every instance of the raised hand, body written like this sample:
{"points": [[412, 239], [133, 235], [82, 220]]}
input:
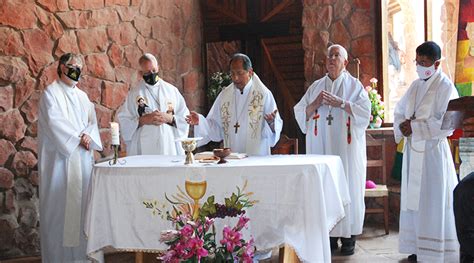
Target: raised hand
{"points": [[192, 118], [270, 117]]}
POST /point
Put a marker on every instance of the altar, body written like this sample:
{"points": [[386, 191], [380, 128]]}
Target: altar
{"points": [[300, 199]]}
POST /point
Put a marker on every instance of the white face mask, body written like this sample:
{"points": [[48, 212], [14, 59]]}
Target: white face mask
{"points": [[425, 72]]}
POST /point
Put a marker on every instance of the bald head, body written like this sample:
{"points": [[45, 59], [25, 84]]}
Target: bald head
{"points": [[148, 58]]}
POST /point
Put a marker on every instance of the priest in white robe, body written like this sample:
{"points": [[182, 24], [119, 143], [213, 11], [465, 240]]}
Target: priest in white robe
{"points": [[334, 114], [153, 115], [244, 115], [427, 226], [67, 136]]}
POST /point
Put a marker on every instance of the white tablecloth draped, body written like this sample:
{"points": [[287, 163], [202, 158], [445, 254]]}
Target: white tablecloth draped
{"points": [[301, 198]]}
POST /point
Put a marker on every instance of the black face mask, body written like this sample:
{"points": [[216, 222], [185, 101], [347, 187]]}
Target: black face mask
{"points": [[151, 78], [73, 73]]}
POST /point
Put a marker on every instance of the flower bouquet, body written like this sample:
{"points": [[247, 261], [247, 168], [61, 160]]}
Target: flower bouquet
{"points": [[377, 105], [218, 81], [193, 238]]}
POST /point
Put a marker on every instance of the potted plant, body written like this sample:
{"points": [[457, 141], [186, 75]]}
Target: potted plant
{"points": [[377, 111]]}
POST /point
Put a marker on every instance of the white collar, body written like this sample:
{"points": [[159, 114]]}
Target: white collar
{"points": [[246, 88], [157, 84], [338, 77], [65, 87]]}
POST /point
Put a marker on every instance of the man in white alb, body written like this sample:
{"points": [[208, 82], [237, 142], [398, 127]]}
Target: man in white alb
{"points": [[153, 115], [334, 114], [427, 226], [244, 114], [67, 136]]}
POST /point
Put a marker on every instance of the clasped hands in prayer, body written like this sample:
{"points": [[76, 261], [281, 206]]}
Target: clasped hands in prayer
{"points": [[155, 118], [324, 98], [405, 128]]}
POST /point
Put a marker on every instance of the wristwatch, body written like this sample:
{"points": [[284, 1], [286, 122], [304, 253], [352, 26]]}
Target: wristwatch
{"points": [[343, 104]]}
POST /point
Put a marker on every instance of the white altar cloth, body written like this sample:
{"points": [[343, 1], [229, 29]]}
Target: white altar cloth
{"points": [[300, 199]]}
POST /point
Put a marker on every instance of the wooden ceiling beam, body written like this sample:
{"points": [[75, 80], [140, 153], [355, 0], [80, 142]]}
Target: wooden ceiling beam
{"points": [[218, 7], [277, 9]]}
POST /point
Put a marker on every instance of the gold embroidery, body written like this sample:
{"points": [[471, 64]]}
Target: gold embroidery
{"points": [[225, 116], [155, 206], [255, 113]]}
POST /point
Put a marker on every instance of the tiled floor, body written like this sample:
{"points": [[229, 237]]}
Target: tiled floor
{"points": [[373, 246]]}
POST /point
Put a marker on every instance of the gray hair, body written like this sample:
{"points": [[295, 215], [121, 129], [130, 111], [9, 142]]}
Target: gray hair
{"points": [[148, 57], [245, 59], [64, 59], [341, 49]]}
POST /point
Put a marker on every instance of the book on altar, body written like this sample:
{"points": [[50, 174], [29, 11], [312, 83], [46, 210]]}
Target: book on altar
{"points": [[210, 155]]}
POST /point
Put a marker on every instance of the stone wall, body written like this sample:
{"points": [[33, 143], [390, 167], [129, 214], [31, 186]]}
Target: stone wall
{"points": [[110, 35], [350, 23]]}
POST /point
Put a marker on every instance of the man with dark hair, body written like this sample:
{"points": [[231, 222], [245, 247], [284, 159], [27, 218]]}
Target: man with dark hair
{"points": [[67, 136], [153, 115], [244, 114], [427, 228]]}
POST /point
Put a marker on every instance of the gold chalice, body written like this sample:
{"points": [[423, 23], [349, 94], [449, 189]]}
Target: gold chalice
{"points": [[196, 186], [189, 145]]}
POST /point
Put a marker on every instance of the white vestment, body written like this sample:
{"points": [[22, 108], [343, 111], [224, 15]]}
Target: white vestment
{"points": [[427, 225], [339, 138], [254, 135], [152, 139], [64, 169]]}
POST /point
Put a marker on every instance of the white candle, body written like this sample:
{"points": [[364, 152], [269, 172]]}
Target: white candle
{"points": [[114, 131]]}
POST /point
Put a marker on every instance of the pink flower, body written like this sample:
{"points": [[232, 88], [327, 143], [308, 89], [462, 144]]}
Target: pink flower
{"points": [[197, 249], [231, 238], [168, 235], [209, 222], [373, 80], [368, 88], [186, 231], [371, 118], [248, 252], [242, 223]]}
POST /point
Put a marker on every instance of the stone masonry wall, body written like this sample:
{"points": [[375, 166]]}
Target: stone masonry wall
{"points": [[110, 35], [350, 23]]}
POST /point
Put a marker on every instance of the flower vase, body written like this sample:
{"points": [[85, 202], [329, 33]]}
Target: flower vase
{"points": [[378, 123], [371, 125]]}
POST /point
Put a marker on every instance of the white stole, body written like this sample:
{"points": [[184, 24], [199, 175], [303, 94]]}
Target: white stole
{"points": [[412, 173], [254, 112], [72, 217]]}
